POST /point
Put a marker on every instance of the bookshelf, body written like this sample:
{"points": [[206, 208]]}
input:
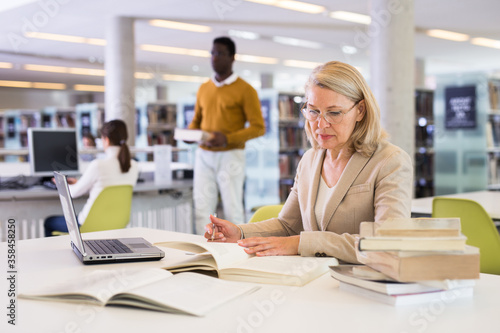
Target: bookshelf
{"points": [[15, 130], [292, 139], [424, 141], [57, 117], [156, 122], [89, 119], [493, 134]]}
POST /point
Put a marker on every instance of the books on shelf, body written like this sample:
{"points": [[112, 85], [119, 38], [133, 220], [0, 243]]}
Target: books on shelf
{"points": [[191, 135], [369, 241], [368, 282], [229, 261], [408, 266], [153, 289], [420, 227]]}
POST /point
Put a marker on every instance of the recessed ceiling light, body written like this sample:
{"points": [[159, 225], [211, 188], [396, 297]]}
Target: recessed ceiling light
{"points": [[6, 65], [292, 5], [301, 64], [65, 38], [449, 35], [244, 34], [297, 42], [486, 42], [180, 26], [256, 59], [89, 87], [347, 49], [351, 17]]}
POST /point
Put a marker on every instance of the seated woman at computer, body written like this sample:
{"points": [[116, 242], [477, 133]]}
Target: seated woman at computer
{"points": [[115, 168], [352, 174]]}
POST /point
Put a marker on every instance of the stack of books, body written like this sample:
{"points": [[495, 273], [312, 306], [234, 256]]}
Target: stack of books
{"points": [[414, 253]]}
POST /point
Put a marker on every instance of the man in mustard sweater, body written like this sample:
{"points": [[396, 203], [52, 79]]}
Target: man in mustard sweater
{"points": [[224, 105]]}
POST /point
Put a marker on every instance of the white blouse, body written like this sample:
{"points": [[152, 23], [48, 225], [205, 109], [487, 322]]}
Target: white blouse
{"points": [[324, 192], [99, 174]]}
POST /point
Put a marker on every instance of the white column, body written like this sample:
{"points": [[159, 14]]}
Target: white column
{"points": [[120, 69], [392, 64]]}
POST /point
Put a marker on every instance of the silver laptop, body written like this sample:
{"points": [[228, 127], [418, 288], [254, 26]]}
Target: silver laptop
{"points": [[100, 251]]}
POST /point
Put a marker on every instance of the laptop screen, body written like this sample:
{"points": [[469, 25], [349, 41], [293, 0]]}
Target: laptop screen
{"points": [[69, 211]]}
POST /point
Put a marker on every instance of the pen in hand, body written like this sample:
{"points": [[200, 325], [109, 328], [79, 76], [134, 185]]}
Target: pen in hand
{"points": [[213, 227]]}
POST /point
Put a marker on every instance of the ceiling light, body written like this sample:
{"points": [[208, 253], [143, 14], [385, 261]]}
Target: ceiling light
{"points": [[43, 68], [297, 42], [37, 85], [47, 85], [65, 38], [301, 7], [351, 17], [292, 5], [256, 59], [347, 49], [244, 34], [180, 26], [65, 70], [301, 64], [87, 71], [143, 75], [486, 42], [88, 87], [174, 50], [15, 84], [450, 35], [184, 78], [5, 65]]}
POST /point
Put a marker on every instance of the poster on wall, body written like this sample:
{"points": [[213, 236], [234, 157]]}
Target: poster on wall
{"points": [[460, 107]]}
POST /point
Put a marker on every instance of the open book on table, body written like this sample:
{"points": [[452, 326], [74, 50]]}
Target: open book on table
{"points": [[153, 289], [230, 262]]}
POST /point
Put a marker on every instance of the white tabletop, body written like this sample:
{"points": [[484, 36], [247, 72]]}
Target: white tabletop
{"points": [[317, 307], [490, 200]]}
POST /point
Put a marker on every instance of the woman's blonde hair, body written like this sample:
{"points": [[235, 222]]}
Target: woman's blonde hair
{"points": [[346, 80]]}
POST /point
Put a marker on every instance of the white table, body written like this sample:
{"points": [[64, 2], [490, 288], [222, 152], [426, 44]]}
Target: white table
{"points": [[317, 307], [490, 200]]}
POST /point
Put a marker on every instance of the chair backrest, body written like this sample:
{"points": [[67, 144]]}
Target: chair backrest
{"points": [[111, 209], [476, 225], [265, 213]]}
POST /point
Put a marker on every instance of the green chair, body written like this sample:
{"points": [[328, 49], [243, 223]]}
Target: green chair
{"points": [[476, 225], [111, 209], [265, 213]]}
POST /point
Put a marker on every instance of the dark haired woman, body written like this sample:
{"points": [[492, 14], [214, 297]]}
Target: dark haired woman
{"points": [[115, 168]]}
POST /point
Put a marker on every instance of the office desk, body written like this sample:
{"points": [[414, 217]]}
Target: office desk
{"points": [[490, 200], [316, 307], [166, 207]]}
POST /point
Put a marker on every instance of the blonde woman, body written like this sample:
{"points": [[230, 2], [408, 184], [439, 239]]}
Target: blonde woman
{"points": [[352, 174]]}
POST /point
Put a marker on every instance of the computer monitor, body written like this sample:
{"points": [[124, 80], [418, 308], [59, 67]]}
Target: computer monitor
{"points": [[53, 149]]}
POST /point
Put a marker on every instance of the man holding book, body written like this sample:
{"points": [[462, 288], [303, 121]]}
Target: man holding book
{"points": [[352, 174], [224, 105]]}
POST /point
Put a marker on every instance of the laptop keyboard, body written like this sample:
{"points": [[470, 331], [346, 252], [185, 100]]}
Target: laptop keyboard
{"points": [[107, 246]]}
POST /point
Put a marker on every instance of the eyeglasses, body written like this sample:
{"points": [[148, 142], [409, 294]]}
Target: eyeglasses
{"points": [[331, 117]]}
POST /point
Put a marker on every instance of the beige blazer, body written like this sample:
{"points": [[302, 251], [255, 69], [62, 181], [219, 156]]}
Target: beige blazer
{"points": [[371, 188]]}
